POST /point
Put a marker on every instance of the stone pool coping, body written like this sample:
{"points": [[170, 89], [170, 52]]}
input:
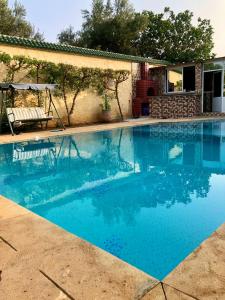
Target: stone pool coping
{"points": [[39, 260], [41, 134]]}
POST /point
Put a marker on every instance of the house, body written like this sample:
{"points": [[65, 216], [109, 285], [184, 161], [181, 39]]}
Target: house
{"points": [[181, 90]]}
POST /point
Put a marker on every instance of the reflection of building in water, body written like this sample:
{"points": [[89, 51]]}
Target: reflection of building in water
{"points": [[199, 145]]}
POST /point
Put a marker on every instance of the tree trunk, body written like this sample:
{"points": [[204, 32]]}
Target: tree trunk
{"points": [[74, 101], [67, 109], [118, 102]]}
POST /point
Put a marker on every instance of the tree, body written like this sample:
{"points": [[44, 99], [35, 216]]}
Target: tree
{"points": [[71, 80], [68, 36], [110, 27], [14, 64], [13, 21], [174, 37], [115, 26], [108, 81]]}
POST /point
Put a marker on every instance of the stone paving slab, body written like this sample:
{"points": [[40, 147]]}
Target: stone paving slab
{"points": [[6, 254], [165, 292], [155, 294], [20, 281], [31, 233], [202, 273], [8, 209], [90, 273]]}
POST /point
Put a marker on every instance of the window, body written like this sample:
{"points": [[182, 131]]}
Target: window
{"points": [[181, 79], [189, 79], [217, 82], [214, 66], [175, 80]]}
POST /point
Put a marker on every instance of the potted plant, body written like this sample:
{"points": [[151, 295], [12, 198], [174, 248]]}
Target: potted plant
{"points": [[106, 109]]}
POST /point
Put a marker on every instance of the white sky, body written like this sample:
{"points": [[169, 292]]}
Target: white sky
{"points": [[51, 16]]}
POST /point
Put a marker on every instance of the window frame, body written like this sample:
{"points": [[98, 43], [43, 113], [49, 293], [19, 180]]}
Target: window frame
{"points": [[167, 80]]}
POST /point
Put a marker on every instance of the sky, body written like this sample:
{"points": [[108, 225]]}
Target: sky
{"points": [[51, 16]]}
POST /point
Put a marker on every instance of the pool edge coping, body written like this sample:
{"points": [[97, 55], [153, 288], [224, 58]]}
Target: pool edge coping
{"points": [[32, 136]]}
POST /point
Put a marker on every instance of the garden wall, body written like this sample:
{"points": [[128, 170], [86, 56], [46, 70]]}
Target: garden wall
{"points": [[88, 103]]}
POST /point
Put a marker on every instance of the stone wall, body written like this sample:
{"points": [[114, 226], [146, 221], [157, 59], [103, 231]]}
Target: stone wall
{"points": [[175, 106]]}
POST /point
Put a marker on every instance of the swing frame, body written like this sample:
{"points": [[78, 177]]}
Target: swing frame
{"points": [[15, 115]]}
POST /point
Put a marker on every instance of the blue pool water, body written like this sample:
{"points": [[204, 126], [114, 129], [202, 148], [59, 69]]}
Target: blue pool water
{"points": [[149, 195]]}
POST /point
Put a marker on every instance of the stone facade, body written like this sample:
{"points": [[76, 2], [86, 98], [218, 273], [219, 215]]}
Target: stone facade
{"points": [[176, 105]]}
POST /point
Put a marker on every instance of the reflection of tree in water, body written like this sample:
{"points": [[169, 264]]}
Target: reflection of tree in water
{"points": [[160, 186], [159, 181], [111, 156], [49, 177], [177, 184]]}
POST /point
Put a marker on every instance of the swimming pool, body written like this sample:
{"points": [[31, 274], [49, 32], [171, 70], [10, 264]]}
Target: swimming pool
{"points": [[149, 195]]}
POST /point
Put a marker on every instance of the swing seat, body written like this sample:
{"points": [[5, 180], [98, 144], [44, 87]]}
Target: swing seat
{"points": [[27, 114], [32, 151], [19, 115]]}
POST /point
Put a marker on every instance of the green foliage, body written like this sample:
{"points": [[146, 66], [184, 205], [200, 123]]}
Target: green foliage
{"points": [[106, 105], [13, 21], [14, 64], [174, 37], [73, 80], [107, 82], [115, 26], [5, 58], [111, 27], [68, 36]]}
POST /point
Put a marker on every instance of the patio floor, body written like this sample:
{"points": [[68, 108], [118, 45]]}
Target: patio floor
{"points": [[39, 260]]}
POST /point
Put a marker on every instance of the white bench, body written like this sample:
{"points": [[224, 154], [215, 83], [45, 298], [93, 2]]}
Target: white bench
{"points": [[31, 151], [27, 114]]}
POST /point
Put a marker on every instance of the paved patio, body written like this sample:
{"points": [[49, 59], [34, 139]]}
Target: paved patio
{"points": [[39, 260]]}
